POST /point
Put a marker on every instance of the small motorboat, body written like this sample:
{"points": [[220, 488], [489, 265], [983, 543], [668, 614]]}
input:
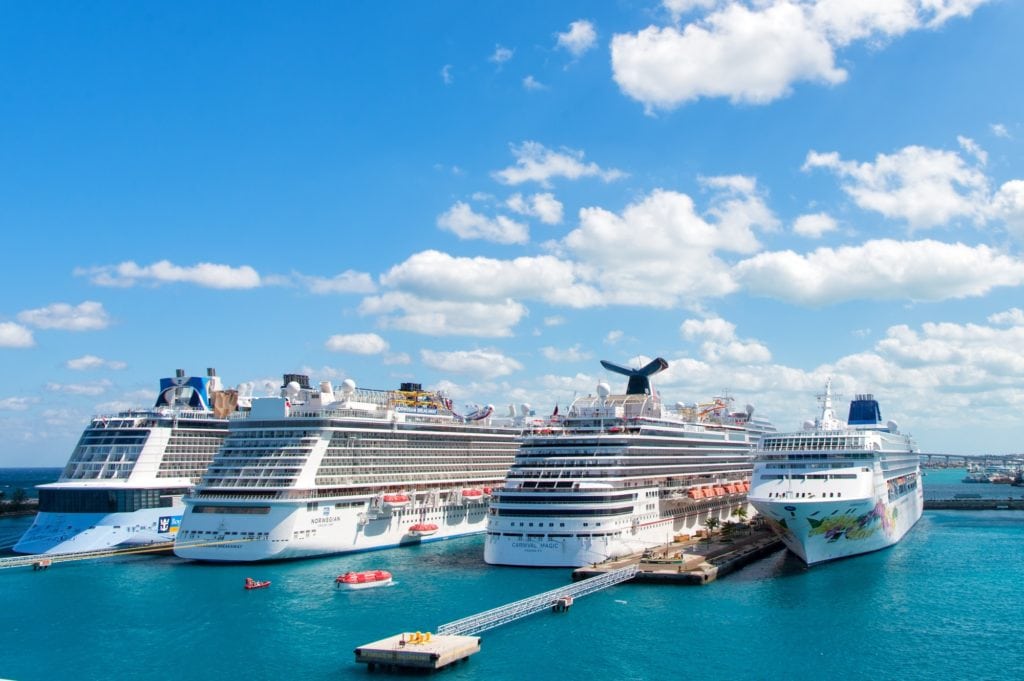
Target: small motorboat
{"points": [[251, 583], [422, 529], [363, 580]]}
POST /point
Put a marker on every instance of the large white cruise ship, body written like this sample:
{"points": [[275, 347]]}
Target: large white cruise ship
{"points": [[322, 471], [838, 489], [124, 481], [618, 474]]}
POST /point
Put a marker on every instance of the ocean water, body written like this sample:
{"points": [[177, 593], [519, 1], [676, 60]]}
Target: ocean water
{"points": [[944, 603], [26, 479]]}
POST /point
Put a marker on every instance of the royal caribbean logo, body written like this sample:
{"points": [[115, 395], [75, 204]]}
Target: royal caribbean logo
{"points": [[168, 524]]}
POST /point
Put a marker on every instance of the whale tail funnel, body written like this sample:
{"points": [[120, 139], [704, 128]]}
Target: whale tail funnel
{"points": [[639, 379]]}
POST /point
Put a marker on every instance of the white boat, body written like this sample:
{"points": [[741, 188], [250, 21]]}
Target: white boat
{"points": [[423, 529], [618, 474], [838, 489], [124, 481], [321, 471]]}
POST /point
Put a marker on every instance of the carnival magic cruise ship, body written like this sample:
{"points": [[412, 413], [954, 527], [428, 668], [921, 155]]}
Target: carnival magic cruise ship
{"points": [[620, 473], [322, 470], [838, 489], [125, 479]]}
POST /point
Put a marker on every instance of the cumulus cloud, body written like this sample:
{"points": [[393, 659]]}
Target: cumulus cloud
{"points": [[357, 343], [87, 316], [348, 281], [446, 74], [531, 83], [1012, 317], [580, 37], [17, 403], [720, 344], [91, 389], [484, 364], [999, 130], [926, 187], [443, 276], [545, 207], [15, 336], [462, 221], [571, 354], [755, 52], [814, 225], [554, 320], [613, 336], [1008, 206], [537, 163], [87, 362], [407, 312], [206, 274], [501, 54], [881, 269]]}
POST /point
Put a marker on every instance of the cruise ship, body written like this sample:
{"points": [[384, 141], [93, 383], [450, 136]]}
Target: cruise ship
{"points": [[621, 473], [839, 489], [321, 470], [126, 476]]}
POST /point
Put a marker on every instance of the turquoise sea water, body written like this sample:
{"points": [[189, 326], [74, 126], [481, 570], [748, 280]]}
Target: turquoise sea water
{"points": [[944, 603]]}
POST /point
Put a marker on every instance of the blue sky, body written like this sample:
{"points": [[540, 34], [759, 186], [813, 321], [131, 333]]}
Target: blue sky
{"points": [[491, 197]]}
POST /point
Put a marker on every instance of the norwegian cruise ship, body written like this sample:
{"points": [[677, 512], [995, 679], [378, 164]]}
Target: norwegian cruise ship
{"points": [[322, 470], [838, 489], [124, 481], [618, 474]]}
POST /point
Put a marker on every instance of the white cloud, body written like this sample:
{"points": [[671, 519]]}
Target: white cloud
{"points": [[554, 320], [814, 225], [87, 316], [925, 187], [357, 343], [348, 281], [999, 130], [720, 344], [580, 37], [88, 362], [881, 269], [1012, 317], [545, 207], [466, 224], [613, 336], [408, 312], [537, 163], [1008, 206], [17, 403], [485, 364], [441, 276], [446, 74], [501, 54], [973, 148], [571, 354], [93, 389], [397, 358], [15, 336], [531, 83], [206, 274], [755, 52]]}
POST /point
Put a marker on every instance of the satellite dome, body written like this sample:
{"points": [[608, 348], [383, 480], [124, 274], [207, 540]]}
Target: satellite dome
{"points": [[808, 425], [292, 388], [348, 386], [603, 390]]}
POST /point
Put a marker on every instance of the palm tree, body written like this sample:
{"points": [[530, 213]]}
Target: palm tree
{"points": [[741, 513], [710, 523]]}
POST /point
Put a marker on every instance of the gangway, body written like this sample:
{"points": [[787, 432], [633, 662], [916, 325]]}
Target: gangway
{"points": [[489, 619], [29, 560]]}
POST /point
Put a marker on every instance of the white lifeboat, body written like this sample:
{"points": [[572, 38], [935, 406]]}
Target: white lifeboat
{"points": [[422, 529]]}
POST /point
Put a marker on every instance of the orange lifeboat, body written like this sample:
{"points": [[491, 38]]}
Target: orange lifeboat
{"points": [[473, 494], [422, 529], [396, 500], [251, 584], [363, 580], [718, 490]]}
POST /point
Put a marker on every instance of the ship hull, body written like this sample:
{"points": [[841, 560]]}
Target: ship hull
{"points": [[291, 530], [74, 532], [848, 528]]}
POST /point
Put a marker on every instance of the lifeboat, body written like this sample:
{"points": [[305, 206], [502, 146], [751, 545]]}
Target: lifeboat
{"points": [[363, 580], [396, 500], [473, 494], [422, 529], [719, 490], [251, 583]]}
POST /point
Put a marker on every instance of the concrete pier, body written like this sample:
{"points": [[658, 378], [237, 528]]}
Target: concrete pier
{"points": [[692, 562], [409, 651], [1009, 503]]}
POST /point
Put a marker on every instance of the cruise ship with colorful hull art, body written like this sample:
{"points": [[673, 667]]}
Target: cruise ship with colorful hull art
{"points": [[620, 473], [126, 476], [320, 471], [839, 489]]}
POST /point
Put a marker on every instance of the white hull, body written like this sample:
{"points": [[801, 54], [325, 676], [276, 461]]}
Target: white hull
{"points": [[365, 585], [550, 550], [74, 532], [290, 530], [849, 527]]}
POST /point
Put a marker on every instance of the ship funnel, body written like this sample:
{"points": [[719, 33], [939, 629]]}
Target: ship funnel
{"points": [[180, 373], [210, 371], [639, 379]]}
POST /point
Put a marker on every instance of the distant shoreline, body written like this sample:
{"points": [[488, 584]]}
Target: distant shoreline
{"points": [[28, 507]]}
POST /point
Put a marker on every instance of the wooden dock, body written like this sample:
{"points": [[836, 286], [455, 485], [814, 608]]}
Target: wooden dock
{"points": [[416, 651], [692, 562]]}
